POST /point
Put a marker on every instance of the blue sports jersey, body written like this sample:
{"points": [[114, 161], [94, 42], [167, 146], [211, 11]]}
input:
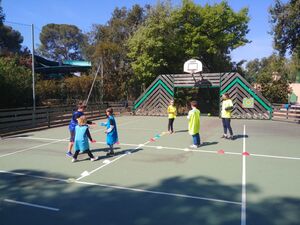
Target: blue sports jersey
{"points": [[82, 135], [111, 137], [74, 121]]}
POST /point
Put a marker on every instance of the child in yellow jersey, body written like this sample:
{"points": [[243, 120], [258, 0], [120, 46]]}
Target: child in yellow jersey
{"points": [[172, 112], [194, 124], [227, 107]]}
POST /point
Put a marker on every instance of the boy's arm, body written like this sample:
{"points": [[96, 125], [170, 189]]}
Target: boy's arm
{"points": [[111, 127], [189, 115], [89, 135]]}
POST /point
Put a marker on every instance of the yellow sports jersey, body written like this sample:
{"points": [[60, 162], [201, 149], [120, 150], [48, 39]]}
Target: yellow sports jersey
{"points": [[194, 121], [225, 105], [172, 112]]}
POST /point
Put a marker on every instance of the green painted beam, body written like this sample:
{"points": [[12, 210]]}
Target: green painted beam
{"points": [[258, 99], [159, 82]]}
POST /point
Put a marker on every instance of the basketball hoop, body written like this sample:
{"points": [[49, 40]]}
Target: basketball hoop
{"points": [[192, 66]]}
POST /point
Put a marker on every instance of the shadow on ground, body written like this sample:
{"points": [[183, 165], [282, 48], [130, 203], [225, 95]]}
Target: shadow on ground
{"points": [[86, 204]]}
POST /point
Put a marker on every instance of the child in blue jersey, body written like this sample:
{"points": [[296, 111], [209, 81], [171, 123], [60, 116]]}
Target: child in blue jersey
{"points": [[77, 114], [111, 131], [81, 140]]}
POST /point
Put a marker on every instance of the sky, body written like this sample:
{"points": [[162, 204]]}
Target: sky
{"points": [[84, 14]]}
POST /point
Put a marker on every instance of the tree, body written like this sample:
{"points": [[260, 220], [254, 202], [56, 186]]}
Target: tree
{"points": [[15, 85], [108, 43], [10, 40], [2, 16], [61, 42], [170, 36], [271, 74], [285, 18]]}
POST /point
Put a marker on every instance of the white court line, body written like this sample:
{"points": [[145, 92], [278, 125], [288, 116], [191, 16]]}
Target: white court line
{"points": [[32, 205], [174, 148], [27, 149], [53, 142], [160, 193], [124, 188], [121, 156], [243, 208]]}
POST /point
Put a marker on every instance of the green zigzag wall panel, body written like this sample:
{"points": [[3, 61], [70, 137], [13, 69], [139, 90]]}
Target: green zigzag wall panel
{"points": [[156, 98], [238, 89]]}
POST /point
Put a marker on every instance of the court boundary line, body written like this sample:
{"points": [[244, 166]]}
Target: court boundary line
{"points": [[31, 205], [102, 166], [58, 140], [178, 149], [123, 188], [244, 193]]}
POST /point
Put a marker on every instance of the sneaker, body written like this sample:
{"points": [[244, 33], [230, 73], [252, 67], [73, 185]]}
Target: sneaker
{"points": [[94, 159], [230, 137], [74, 160], [224, 136], [194, 146], [110, 153], [69, 154]]}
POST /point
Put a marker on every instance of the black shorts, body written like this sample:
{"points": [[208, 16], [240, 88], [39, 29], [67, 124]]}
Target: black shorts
{"points": [[72, 136]]}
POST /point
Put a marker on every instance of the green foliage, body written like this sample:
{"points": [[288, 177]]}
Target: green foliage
{"points": [[15, 83], [10, 39], [61, 42], [285, 19], [108, 44], [272, 75], [170, 36], [2, 16], [275, 91]]}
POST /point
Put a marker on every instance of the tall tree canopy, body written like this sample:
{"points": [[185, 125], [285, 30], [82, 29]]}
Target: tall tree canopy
{"points": [[285, 18], [10, 39], [61, 42], [108, 43], [272, 74], [170, 36], [2, 16]]}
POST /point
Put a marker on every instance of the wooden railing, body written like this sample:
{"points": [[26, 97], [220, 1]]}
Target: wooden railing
{"points": [[21, 119], [283, 113]]}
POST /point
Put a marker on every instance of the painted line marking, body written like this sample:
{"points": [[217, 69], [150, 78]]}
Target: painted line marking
{"points": [[160, 193], [243, 207], [114, 160], [73, 181], [54, 141], [172, 148], [27, 149], [31, 205]]}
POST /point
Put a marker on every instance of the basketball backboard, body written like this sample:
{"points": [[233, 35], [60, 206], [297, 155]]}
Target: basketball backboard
{"points": [[192, 66]]}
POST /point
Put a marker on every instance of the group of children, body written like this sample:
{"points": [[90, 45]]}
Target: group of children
{"points": [[80, 134], [194, 119]]}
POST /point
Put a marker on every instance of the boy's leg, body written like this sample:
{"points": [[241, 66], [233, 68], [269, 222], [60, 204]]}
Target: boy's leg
{"points": [[198, 139], [111, 150], [90, 154], [71, 143], [229, 127], [75, 156], [224, 126], [171, 127], [195, 140]]}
